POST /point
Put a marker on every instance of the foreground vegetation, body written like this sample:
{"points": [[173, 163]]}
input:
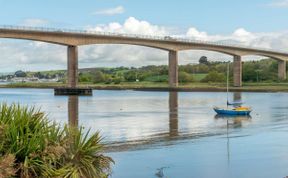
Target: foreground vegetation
{"points": [[31, 146]]}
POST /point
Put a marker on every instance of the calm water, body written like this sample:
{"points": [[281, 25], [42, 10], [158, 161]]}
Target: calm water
{"points": [[178, 132]]}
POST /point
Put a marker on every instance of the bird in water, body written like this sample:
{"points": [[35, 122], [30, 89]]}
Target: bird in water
{"points": [[160, 172]]}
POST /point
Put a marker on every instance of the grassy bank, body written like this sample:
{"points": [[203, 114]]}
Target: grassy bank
{"points": [[254, 87]]}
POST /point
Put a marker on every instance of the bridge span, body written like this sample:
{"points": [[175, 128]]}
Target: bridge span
{"points": [[73, 38]]}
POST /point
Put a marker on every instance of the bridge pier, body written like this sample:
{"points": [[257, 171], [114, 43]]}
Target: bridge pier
{"points": [[72, 76], [72, 64], [237, 71], [281, 70], [173, 68]]}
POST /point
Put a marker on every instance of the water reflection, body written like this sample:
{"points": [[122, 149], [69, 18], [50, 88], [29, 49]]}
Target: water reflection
{"points": [[194, 145], [237, 96], [234, 121], [173, 114], [173, 132], [231, 122], [73, 111]]}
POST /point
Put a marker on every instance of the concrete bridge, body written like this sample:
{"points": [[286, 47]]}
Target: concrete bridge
{"points": [[72, 39]]}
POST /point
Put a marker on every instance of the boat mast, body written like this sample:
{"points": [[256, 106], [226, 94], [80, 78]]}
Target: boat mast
{"points": [[227, 82]]}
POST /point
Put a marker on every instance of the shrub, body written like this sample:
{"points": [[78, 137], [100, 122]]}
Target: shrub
{"points": [[214, 76], [98, 77], [31, 146], [185, 77], [117, 80]]}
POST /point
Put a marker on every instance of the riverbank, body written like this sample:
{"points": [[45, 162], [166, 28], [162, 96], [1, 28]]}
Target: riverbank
{"points": [[150, 86]]}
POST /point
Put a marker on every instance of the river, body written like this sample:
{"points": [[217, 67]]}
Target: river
{"points": [[170, 134]]}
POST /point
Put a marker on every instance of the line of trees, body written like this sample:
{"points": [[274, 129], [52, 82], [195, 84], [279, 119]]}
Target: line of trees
{"points": [[205, 71]]}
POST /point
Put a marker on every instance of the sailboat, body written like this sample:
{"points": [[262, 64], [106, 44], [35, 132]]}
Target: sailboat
{"points": [[237, 108]]}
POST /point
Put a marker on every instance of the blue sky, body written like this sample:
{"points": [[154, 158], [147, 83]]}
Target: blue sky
{"points": [[213, 16], [258, 23]]}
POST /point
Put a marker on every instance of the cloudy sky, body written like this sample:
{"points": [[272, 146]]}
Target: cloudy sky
{"points": [[258, 23]]}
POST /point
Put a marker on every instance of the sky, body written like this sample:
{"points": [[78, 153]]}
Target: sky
{"points": [[257, 23]]}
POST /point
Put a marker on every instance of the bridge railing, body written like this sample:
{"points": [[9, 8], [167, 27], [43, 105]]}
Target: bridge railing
{"points": [[140, 36]]}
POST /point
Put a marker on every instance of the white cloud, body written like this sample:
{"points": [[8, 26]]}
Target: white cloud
{"points": [[37, 55], [280, 4], [131, 26], [110, 11], [34, 22], [29, 55], [197, 35], [131, 55]]}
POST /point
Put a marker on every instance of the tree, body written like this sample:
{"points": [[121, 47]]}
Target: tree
{"points": [[117, 80], [130, 76], [98, 77], [39, 75], [20, 73], [214, 76], [85, 77], [202, 68], [185, 77], [203, 60]]}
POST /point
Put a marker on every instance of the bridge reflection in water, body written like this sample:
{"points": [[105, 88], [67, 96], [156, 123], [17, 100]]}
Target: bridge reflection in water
{"points": [[173, 133], [73, 111], [173, 114]]}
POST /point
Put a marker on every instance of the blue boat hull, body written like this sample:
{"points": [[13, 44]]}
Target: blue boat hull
{"points": [[231, 112]]}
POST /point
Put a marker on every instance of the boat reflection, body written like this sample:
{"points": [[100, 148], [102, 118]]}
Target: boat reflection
{"points": [[234, 121]]}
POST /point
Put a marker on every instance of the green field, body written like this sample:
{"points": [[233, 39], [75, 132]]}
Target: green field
{"points": [[198, 77]]}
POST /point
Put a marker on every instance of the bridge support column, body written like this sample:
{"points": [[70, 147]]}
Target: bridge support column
{"points": [[72, 76], [72, 71], [237, 71], [282, 70], [173, 68]]}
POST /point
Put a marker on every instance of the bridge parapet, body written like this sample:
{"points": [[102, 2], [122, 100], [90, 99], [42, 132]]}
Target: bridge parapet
{"points": [[174, 40]]}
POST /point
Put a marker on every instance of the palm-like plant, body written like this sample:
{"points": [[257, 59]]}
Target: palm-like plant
{"points": [[43, 149]]}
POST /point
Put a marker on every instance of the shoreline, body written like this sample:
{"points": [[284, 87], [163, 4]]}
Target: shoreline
{"points": [[196, 88]]}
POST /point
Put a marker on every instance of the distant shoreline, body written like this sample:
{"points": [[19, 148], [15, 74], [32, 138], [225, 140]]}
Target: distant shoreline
{"points": [[251, 87]]}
